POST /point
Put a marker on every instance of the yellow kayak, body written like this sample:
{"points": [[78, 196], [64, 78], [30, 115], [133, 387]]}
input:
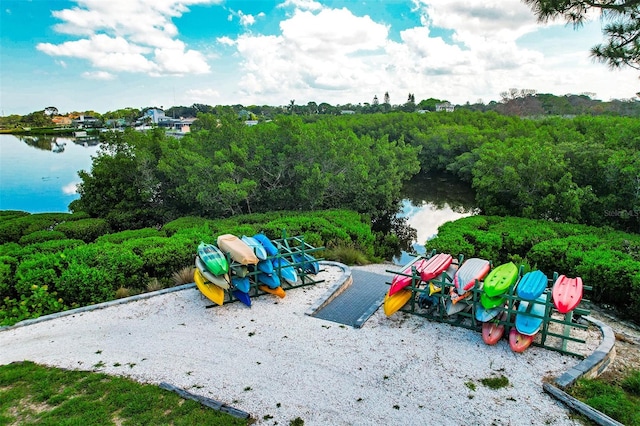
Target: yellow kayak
{"points": [[211, 291], [278, 291], [396, 301]]}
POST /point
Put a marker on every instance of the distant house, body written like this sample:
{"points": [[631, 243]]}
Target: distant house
{"points": [[176, 125], [445, 106], [85, 121], [347, 112], [155, 114]]}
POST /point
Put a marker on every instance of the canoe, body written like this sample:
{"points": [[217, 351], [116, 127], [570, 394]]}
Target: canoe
{"points": [[242, 296], [500, 279], [471, 270], [484, 315], [285, 270], [210, 291], [491, 302], [399, 282], [492, 331], [272, 281], [392, 304], [241, 283], [278, 291], [532, 285], [258, 249], [308, 263], [567, 293], [237, 249], [265, 266], [518, 341], [213, 259], [267, 244], [221, 281], [525, 322]]}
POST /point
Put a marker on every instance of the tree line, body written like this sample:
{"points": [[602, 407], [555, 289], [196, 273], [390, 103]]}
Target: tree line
{"points": [[577, 170]]}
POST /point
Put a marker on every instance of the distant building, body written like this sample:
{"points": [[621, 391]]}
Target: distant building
{"points": [[155, 114], [445, 106], [86, 121], [347, 112]]}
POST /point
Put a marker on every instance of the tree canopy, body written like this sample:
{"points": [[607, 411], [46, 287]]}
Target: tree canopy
{"points": [[622, 29]]}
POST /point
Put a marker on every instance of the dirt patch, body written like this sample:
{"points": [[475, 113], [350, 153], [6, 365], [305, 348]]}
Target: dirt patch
{"points": [[627, 345]]}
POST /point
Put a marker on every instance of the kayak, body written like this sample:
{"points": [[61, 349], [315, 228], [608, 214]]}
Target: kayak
{"points": [[237, 249], [567, 293], [278, 291], [255, 245], [472, 270], [392, 304], [221, 281], [492, 331], [213, 259], [500, 279], [210, 291], [532, 285]]}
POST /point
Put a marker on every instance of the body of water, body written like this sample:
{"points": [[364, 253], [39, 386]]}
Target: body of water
{"points": [[40, 174], [430, 201]]}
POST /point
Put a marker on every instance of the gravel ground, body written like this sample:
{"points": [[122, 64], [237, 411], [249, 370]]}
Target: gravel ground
{"points": [[278, 364]]}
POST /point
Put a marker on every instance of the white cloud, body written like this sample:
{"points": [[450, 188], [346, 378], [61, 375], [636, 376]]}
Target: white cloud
{"points": [[204, 96], [128, 35], [70, 188], [98, 75]]}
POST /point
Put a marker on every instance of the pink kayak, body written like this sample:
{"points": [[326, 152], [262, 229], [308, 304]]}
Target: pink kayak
{"points": [[427, 268]]}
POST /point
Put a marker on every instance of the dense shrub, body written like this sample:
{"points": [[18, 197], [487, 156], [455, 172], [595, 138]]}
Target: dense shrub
{"points": [[41, 236], [13, 229], [86, 230], [122, 236]]}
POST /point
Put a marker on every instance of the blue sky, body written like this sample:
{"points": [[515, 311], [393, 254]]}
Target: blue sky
{"points": [[105, 55]]}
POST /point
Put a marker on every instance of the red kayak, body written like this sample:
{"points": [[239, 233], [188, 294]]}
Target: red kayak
{"points": [[567, 293], [518, 341], [492, 331], [427, 268]]}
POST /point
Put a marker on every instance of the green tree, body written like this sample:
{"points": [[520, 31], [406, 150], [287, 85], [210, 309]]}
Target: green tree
{"points": [[622, 29]]}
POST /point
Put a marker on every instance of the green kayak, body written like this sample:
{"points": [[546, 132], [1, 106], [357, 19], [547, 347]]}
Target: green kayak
{"points": [[213, 259]]}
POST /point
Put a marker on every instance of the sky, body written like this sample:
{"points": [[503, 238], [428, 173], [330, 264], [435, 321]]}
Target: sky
{"points": [[104, 55]]}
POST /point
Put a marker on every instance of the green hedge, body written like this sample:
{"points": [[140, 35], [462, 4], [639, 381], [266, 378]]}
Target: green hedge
{"points": [[52, 275], [18, 225], [608, 261], [86, 230]]}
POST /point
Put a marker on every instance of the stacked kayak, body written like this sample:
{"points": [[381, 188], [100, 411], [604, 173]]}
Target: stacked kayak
{"points": [[211, 273], [425, 271], [237, 264], [497, 284]]}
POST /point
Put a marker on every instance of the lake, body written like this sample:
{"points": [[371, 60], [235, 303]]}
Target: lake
{"points": [[40, 174]]}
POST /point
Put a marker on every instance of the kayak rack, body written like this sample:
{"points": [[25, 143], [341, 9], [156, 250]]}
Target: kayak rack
{"points": [[549, 337], [287, 247]]}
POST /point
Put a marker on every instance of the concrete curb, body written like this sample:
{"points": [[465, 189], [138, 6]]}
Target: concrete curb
{"points": [[593, 365], [590, 367], [342, 283]]}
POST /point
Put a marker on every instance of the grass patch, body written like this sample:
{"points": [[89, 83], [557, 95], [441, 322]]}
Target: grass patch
{"points": [[495, 382], [34, 394], [620, 401], [346, 255]]}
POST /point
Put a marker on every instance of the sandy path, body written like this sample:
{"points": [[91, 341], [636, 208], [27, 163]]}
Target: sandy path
{"points": [[278, 364]]}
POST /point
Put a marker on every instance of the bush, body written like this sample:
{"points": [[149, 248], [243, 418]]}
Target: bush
{"points": [[41, 236], [13, 229], [122, 236], [86, 230]]}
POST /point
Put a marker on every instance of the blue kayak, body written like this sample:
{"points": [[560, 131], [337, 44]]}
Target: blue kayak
{"points": [[242, 296], [532, 285], [285, 269], [526, 323], [308, 263], [258, 249], [271, 281], [241, 283], [266, 267], [267, 244]]}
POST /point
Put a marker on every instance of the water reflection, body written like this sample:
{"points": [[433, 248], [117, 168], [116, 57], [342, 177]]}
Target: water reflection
{"points": [[429, 201], [40, 173]]}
